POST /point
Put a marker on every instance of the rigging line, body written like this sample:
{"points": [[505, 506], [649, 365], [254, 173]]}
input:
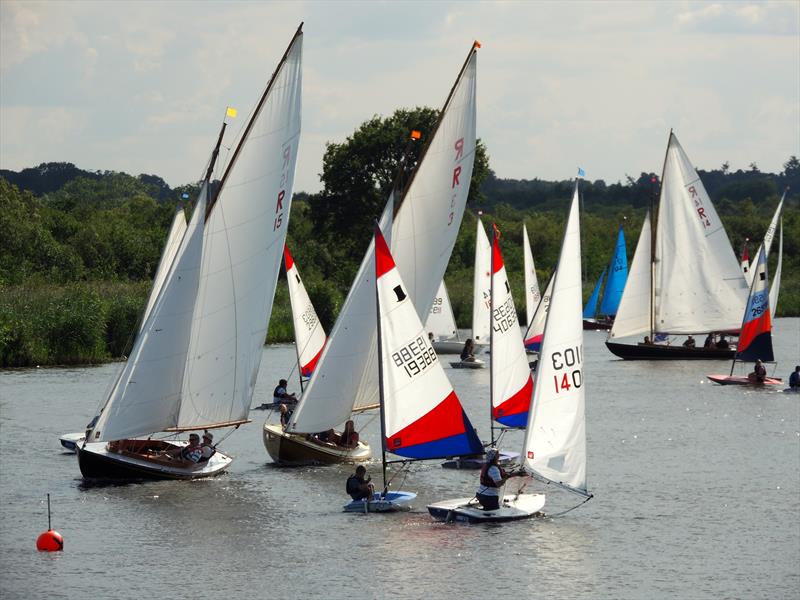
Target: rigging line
{"points": [[569, 509]]}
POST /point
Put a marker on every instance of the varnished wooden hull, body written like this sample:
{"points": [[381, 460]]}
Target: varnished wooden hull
{"points": [[295, 449]]}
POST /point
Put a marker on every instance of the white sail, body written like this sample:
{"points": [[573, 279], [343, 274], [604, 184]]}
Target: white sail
{"points": [[533, 337], [243, 246], [174, 238], [776, 279], [773, 226], [146, 397], [698, 281], [555, 438], [309, 335], [441, 322], [423, 235], [633, 314], [510, 374], [532, 294], [481, 286]]}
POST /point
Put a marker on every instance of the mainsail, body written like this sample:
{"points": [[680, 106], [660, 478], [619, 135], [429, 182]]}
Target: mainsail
{"points": [[617, 276], [309, 335], [422, 238], [755, 339], [555, 438], [481, 284], [634, 311], [590, 310], [532, 294], [441, 322], [423, 417], [533, 337], [510, 374]]}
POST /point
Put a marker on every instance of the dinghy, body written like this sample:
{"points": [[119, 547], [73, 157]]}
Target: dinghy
{"points": [[554, 450], [688, 281], [309, 335], [481, 282], [442, 324], [777, 219], [533, 336], [194, 363], [70, 441], [612, 292], [532, 293], [475, 363], [422, 232], [421, 415], [755, 339]]}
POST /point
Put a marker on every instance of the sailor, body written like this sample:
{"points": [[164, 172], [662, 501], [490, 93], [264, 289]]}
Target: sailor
{"points": [[207, 447], [281, 395], [794, 379], [286, 414], [468, 353], [358, 484], [492, 479], [759, 374], [689, 343], [722, 344]]}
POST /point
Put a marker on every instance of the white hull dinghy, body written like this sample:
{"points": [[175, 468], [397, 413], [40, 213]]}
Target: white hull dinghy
{"points": [[468, 510], [70, 441], [475, 363]]}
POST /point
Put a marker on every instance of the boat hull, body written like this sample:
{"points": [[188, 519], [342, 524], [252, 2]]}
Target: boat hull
{"points": [[392, 502], [96, 461], [477, 462], [663, 352], [469, 364], [70, 441], [733, 380], [597, 325], [468, 510], [295, 449], [448, 346]]}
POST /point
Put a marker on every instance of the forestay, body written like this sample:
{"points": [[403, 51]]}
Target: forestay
{"points": [[243, 246], [423, 235], [555, 438], [423, 417], [532, 294], [309, 335], [441, 322], [634, 311], [481, 284], [699, 284], [617, 276], [511, 382]]}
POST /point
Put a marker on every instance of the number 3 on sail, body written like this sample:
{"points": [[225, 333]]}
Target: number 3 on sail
{"points": [[562, 365]]}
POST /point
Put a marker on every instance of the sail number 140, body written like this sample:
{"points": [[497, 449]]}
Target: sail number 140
{"points": [[567, 366]]}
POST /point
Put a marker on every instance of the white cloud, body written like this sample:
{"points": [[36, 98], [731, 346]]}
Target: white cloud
{"points": [[775, 18]]}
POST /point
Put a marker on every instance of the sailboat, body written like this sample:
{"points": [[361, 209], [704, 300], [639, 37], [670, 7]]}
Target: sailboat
{"points": [[421, 415], [533, 336], [532, 293], [71, 441], [612, 293], [480, 290], [422, 232], [442, 324], [554, 450], [777, 220], [688, 280], [194, 363], [755, 339]]}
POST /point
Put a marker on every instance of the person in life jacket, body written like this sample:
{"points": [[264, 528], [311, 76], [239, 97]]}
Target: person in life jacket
{"points": [[358, 484], [493, 477]]}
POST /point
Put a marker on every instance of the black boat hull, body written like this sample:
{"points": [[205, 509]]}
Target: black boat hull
{"points": [[664, 352]]}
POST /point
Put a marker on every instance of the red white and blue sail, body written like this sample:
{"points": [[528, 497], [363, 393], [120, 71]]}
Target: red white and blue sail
{"points": [[755, 339], [510, 373], [533, 337], [423, 417], [309, 335]]}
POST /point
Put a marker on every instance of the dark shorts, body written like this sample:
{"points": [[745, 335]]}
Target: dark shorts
{"points": [[489, 502]]}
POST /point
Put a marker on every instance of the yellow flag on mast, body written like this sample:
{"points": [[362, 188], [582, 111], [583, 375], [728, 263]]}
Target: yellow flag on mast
{"points": [[231, 112]]}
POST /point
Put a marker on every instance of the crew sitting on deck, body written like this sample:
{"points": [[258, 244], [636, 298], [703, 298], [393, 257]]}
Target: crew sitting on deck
{"points": [[722, 344], [759, 374], [349, 437], [794, 379], [281, 395], [189, 453], [286, 414], [709, 344], [492, 479], [647, 340], [207, 449], [689, 343], [468, 352], [358, 485]]}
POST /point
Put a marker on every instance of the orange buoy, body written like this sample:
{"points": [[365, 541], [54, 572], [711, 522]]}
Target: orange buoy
{"points": [[50, 541]]}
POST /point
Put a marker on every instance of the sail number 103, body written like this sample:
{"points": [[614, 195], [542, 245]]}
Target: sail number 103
{"points": [[567, 366]]}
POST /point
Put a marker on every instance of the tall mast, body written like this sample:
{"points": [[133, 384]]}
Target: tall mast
{"points": [[380, 370], [653, 219], [491, 333]]}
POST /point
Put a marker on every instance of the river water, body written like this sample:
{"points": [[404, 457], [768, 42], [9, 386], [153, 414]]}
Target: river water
{"points": [[697, 495]]}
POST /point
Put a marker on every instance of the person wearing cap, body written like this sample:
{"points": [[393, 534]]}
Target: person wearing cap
{"points": [[280, 395], [207, 449], [189, 453], [493, 477]]}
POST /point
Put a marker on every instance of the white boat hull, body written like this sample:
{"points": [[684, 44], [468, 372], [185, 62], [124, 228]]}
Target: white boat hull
{"points": [[469, 364], [467, 510], [70, 441], [448, 346], [392, 502]]}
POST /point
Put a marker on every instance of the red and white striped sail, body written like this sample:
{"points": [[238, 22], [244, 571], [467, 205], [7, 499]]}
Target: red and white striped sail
{"points": [[482, 282], [309, 335], [423, 417], [555, 438], [510, 373]]}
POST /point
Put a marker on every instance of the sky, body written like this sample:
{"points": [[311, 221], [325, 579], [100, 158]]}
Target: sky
{"points": [[142, 87]]}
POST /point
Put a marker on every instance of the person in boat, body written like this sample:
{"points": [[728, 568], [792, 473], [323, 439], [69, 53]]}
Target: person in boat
{"points": [[280, 395], [759, 374], [493, 477], [207, 449], [709, 344], [468, 352], [349, 436], [286, 414], [689, 343], [329, 437], [647, 340], [794, 379], [358, 484], [722, 344], [190, 453]]}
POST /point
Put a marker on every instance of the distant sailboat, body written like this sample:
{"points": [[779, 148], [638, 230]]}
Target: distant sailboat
{"points": [[442, 324], [533, 336], [309, 335], [421, 416], [194, 363], [532, 293], [554, 450], [612, 293], [755, 339], [688, 281], [480, 288], [777, 219]]}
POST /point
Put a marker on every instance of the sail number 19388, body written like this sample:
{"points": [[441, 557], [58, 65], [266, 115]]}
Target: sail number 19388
{"points": [[567, 365], [415, 356]]}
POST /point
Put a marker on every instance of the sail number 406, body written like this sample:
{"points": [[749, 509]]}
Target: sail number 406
{"points": [[567, 366]]}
